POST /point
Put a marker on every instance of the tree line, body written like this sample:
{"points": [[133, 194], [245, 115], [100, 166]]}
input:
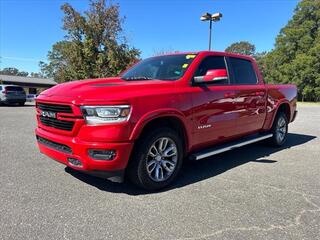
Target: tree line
{"points": [[296, 55], [95, 46], [16, 72]]}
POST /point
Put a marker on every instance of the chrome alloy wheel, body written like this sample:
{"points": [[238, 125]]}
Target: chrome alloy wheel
{"points": [[281, 129], [162, 159]]}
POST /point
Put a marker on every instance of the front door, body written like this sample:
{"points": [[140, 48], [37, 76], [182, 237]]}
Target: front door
{"points": [[213, 106]]}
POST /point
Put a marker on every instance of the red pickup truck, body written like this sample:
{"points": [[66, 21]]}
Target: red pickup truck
{"points": [[161, 111]]}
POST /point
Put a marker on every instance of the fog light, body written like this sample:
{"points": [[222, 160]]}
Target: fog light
{"points": [[75, 162], [102, 154]]}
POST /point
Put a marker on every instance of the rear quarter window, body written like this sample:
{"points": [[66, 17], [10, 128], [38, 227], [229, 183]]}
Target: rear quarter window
{"points": [[242, 71]]}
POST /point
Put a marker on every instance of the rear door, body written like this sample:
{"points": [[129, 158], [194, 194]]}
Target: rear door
{"points": [[250, 99], [213, 106]]}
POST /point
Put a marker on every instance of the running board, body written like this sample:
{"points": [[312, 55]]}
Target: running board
{"points": [[229, 146]]}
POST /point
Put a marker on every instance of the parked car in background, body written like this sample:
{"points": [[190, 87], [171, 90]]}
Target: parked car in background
{"points": [[11, 94], [31, 97], [144, 123]]}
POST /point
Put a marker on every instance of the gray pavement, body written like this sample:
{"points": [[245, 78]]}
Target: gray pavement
{"points": [[256, 192]]}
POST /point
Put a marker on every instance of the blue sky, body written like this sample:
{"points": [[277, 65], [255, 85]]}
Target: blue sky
{"points": [[28, 28]]}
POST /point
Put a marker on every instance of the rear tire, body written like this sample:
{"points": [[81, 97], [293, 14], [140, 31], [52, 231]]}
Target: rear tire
{"points": [[156, 159], [21, 103], [279, 130]]}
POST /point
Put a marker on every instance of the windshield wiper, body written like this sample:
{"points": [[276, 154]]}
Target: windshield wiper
{"points": [[137, 78]]}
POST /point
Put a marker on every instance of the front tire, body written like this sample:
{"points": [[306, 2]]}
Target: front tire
{"points": [[279, 130], [156, 159]]}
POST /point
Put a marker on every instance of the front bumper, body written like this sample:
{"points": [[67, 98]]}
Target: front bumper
{"points": [[73, 147]]}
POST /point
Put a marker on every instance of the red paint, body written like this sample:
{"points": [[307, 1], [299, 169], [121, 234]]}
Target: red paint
{"points": [[232, 111]]}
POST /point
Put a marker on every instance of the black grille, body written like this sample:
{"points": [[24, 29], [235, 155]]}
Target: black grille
{"points": [[56, 146], [55, 123], [54, 108]]}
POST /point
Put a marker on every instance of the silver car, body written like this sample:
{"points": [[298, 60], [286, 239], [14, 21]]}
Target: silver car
{"points": [[11, 94]]}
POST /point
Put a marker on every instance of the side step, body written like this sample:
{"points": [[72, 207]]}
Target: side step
{"points": [[229, 146]]}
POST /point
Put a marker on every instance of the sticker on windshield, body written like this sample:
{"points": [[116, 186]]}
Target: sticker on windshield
{"points": [[190, 56], [185, 65]]}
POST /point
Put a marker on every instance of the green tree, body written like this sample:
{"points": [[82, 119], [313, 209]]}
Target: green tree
{"points": [[36, 75], [242, 47], [247, 48], [9, 71], [94, 45], [295, 58], [260, 58], [23, 74], [14, 72]]}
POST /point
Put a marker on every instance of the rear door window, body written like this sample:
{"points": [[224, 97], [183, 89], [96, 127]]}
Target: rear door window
{"points": [[242, 71], [14, 89]]}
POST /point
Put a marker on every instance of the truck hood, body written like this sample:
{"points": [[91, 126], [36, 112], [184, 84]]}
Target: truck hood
{"points": [[105, 89]]}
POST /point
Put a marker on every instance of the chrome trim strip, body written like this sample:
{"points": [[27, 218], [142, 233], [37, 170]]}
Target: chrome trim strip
{"points": [[105, 106], [220, 78], [221, 150]]}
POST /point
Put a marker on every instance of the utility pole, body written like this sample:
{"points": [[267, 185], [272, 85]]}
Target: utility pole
{"points": [[211, 18]]}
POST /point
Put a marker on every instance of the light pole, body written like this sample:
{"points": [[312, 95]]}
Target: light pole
{"points": [[212, 18]]}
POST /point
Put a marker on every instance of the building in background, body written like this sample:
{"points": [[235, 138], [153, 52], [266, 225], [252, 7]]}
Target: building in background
{"points": [[30, 84]]}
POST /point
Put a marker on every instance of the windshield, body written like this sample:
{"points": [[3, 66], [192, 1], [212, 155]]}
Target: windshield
{"points": [[170, 67]]}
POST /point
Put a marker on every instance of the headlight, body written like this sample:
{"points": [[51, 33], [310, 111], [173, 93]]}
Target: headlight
{"points": [[106, 114]]}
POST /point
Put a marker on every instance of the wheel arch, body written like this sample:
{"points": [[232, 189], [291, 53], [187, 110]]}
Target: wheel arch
{"points": [[282, 107], [168, 118]]}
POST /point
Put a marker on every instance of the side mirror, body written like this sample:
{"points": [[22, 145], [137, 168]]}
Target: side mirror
{"points": [[214, 75]]}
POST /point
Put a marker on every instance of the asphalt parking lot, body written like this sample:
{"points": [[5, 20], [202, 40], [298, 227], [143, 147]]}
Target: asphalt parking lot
{"points": [[256, 192]]}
